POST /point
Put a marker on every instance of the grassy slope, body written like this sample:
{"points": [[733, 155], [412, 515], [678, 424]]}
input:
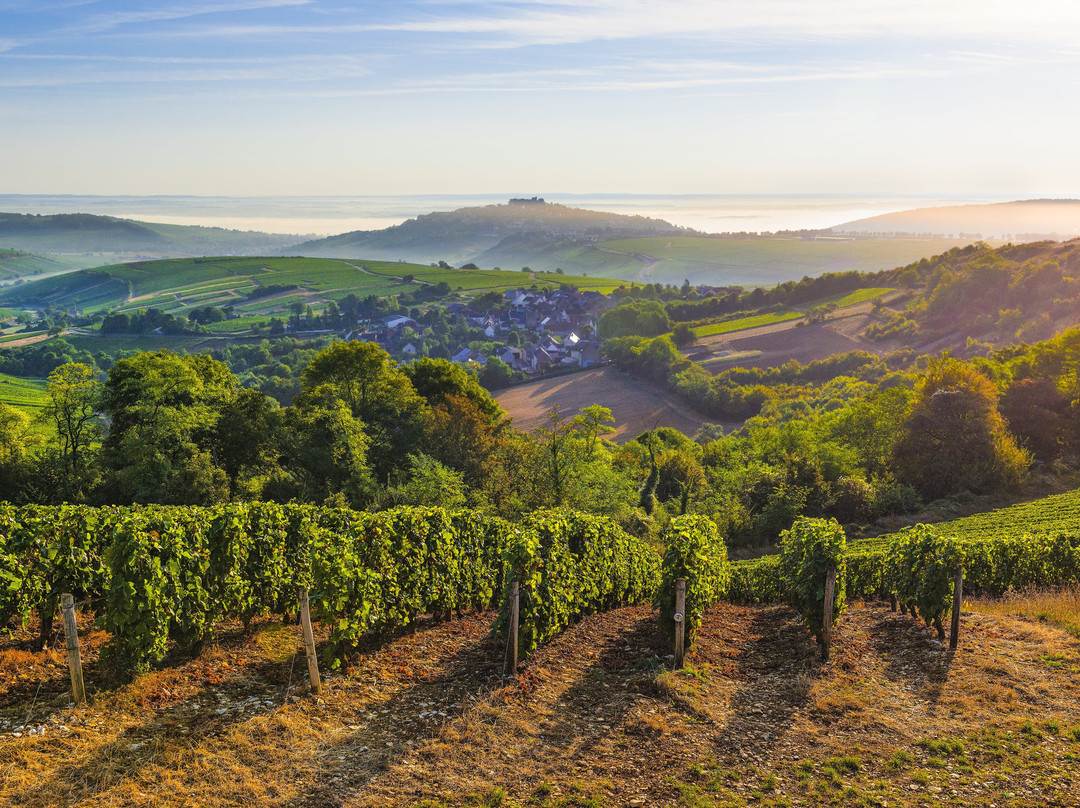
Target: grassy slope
{"points": [[594, 720], [760, 260], [1045, 515], [741, 323], [731, 323], [24, 394], [180, 284], [851, 298]]}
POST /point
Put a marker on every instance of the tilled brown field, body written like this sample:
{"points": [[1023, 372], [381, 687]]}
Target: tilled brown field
{"points": [[636, 404], [594, 719]]}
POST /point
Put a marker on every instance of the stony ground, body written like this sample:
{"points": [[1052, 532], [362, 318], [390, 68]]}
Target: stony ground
{"points": [[594, 719]]}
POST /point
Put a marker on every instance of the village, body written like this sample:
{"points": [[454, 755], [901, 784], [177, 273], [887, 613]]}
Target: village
{"points": [[531, 331]]}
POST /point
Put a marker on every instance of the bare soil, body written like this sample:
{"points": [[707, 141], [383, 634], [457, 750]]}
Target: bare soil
{"points": [[593, 719], [636, 404]]}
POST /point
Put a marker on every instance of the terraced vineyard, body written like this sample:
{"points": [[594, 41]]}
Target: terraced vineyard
{"points": [[17, 264], [1046, 515], [1033, 543], [23, 394], [176, 285]]}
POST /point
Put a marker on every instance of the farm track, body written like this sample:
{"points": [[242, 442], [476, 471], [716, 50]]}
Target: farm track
{"points": [[592, 716]]}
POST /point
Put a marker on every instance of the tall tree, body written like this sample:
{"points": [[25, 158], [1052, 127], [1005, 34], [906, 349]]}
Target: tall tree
{"points": [[954, 439], [15, 440], [376, 392], [74, 398], [163, 410]]}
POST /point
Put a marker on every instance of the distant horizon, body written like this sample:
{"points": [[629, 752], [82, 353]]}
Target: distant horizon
{"points": [[317, 97], [330, 214]]}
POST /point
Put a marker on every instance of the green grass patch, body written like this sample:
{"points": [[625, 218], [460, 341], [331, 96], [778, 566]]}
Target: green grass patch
{"points": [[742, 323], [19, 335], [24, 394], [849, 299]]}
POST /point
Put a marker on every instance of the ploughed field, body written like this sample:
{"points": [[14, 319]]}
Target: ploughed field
{"points": [[636, 405], [595, 718]]}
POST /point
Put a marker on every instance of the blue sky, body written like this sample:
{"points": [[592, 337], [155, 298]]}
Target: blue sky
{"points": [[250, 97]]}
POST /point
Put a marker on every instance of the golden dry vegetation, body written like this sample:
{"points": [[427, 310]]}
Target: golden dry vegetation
{"points": [[594, 719]]}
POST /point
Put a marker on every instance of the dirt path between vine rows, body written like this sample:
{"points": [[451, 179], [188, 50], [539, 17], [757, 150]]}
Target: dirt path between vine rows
{"points": [[594, 719]]}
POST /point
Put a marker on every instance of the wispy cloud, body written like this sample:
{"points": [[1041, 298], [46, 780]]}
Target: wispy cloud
{"points": [[538, 22], [646, 76], [99, 23], [300, 69]]}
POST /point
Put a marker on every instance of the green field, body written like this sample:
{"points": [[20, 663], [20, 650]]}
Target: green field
{"points": [[237, 325], [177, 285], [850, 299], [144, 342], [749, 261], [743, 323], [25, 394], [19, 335]]}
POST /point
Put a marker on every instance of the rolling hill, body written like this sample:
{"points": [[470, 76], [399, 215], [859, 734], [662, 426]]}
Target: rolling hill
{"points": [[256, 285], [551, 236], [1026, 220], [464, 235], [16, 264], [86, 234]]}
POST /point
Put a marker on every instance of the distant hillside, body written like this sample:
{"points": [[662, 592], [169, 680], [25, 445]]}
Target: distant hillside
{"points": [[1028, 220], [462, 235], [18, 264], [257, 285], [84, 233], [550, 236]]}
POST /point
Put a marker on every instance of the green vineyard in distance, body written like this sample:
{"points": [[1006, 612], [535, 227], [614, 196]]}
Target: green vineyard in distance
{"points": [[1014, 546], [1046, 515]]}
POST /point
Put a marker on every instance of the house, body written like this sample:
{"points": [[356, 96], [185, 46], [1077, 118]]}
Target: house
{"points": [[586, 354], [551, 345], [536, 359], [467, 356], [511, 356], [398, 320], [409, 349]]}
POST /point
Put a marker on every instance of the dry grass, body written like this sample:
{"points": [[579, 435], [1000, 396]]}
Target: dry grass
{"points": [[426, 720], [1060, 607]]}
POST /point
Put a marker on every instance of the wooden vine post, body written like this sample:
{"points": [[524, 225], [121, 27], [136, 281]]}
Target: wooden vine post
{"points": [[511, 662], [680, 621], [309, 643], [826, 623], [957, 602], [71, 640]]}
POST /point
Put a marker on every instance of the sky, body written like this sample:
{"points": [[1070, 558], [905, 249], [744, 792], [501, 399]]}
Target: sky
{"points": [[303, 97]]}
